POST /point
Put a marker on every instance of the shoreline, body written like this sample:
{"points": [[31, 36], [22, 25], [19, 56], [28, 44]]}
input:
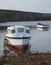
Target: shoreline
{"points": [[28, 58], [5, 27]]}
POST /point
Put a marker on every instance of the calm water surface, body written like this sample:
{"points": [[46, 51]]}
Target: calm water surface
{"points": [[40, 40]]}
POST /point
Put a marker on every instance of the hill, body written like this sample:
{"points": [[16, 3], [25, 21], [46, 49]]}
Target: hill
{"points": [[13, 15]]}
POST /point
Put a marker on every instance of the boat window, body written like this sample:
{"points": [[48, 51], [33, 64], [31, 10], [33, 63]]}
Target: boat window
{"points": [[27, 31], [39, 23], [10, 31], [20, 30]]}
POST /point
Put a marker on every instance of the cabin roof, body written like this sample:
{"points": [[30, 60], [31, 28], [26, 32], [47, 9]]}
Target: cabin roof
{"points": [[14, 27]]}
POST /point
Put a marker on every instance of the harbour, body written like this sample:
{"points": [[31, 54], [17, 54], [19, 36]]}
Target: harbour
{"points": [[30, 24], [25, 32], [40, 46], [40, 40]]}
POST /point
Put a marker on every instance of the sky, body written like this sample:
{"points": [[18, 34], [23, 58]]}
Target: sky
{"points": [[41, 6]]}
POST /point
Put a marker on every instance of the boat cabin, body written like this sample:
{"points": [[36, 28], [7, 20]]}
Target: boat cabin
{"points": [[15, 31], [44, 27], [17, 38]]}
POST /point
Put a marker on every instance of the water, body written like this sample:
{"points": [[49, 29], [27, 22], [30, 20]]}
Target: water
{"points": [[30, 23], [40, 40]]}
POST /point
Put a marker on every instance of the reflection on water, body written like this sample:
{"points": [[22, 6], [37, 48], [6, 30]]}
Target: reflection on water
{"points": [[40, 40]]}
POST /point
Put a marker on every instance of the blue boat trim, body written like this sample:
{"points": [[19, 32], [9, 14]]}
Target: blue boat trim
{"points": [[18, 37]]}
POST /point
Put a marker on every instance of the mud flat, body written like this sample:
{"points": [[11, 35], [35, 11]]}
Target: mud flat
{"points": [[27, 59]]}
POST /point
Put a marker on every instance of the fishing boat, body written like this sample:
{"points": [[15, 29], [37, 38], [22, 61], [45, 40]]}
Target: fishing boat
{"points": [[17, 38], [41, 26]]}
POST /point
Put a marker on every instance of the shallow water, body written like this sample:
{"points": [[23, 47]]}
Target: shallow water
{"points": [[40, 40]]}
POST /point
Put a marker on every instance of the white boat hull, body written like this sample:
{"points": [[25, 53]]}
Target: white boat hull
{"points": [[19, 41], [17, 44]]}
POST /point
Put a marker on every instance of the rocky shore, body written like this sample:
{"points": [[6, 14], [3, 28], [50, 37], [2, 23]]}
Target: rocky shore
{"points": [[27, 59]]}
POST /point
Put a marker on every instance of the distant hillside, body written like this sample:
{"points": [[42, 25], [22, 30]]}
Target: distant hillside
{"points": [[12, 15]]}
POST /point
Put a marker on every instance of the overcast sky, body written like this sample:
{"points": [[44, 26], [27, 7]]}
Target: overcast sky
{"points": [[43, 6]]}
